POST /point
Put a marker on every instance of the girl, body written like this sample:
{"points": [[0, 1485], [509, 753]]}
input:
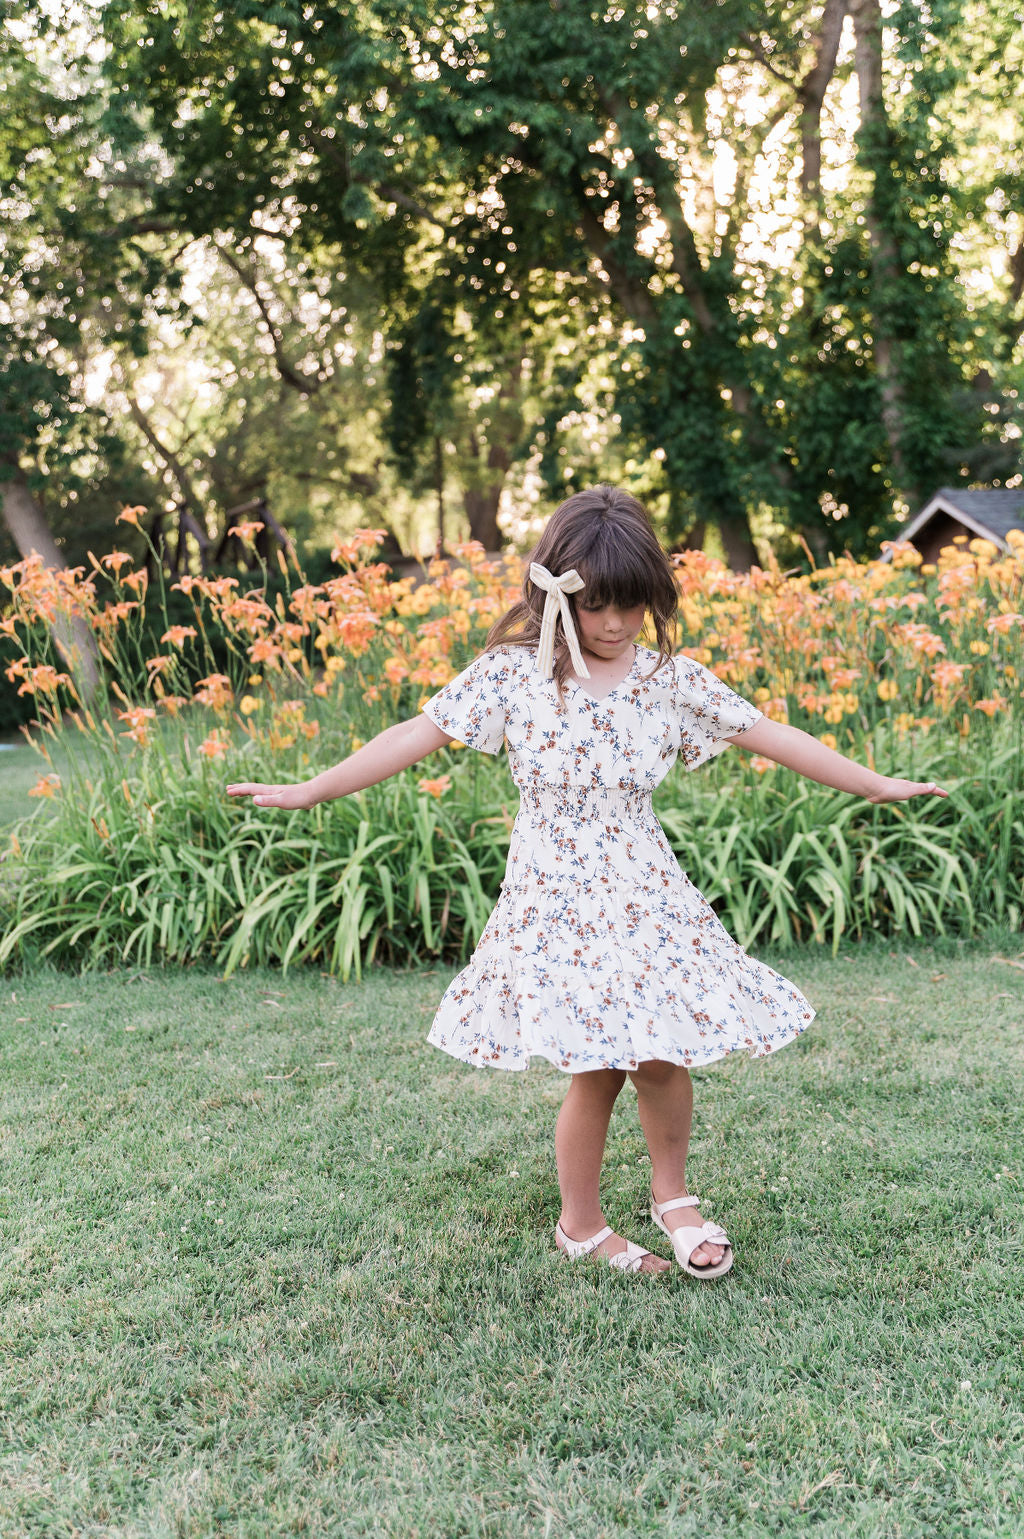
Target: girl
{"points": [[600, 955]]}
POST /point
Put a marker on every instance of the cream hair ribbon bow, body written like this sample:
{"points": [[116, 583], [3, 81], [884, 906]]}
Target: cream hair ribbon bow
{"points": [[555, 590]]}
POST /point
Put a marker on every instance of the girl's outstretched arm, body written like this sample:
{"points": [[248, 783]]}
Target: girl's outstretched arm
{"points": [[392, 750], [801, 752]]}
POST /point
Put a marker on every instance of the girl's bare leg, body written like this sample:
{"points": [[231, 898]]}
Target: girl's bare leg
{"points": [[580, 1134], [664, 1096]]}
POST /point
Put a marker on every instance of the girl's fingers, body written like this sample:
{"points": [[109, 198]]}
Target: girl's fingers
{"points": [[903, 790], [292, 798], [918, 788]]}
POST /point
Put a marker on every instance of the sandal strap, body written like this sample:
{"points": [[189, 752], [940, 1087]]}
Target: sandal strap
{"points": [[673, 1203], [576, 1248], [628, 1260], [688, 1239]]}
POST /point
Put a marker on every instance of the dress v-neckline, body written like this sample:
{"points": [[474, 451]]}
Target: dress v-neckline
{"points": [[600, 699]]}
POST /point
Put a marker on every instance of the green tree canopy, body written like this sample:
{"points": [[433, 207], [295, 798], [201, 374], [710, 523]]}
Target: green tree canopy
{"points": [[747, 238]]}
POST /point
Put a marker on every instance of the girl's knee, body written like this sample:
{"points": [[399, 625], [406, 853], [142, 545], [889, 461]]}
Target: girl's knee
{"points": [[599, 1082], [657, 1073]]}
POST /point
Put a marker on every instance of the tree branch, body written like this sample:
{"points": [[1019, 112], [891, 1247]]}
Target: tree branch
{"points": [[762, 56], [395, 195], [171, 460], [305, 384], [331, 150], [633, 296], [660, 177]]}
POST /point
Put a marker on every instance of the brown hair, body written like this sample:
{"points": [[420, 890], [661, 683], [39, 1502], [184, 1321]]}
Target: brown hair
{"points": [[606, 535]]}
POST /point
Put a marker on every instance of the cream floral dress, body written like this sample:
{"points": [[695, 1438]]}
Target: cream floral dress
{"points": [[600, 952]]}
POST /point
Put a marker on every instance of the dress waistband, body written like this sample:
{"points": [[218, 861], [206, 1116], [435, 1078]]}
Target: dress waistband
{"points": [[583, 801]]}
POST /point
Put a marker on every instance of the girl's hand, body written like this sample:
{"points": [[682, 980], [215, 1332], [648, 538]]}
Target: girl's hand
{"points": [[294, 798], [890, 790]]}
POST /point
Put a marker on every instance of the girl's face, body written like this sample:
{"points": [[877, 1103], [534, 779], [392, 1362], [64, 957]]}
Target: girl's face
{"points": [[608, 632]]}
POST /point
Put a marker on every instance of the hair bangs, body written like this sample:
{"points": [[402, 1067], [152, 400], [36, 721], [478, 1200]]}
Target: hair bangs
{"points": [[604, 586], [617, 570]]}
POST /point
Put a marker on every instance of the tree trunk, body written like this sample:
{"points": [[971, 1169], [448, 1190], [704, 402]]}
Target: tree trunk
{"points": [[873, 140], [738, 542], [641, 306], [693, 539], [439, 489], [481, 505], [811, 95], [482, 495], [30, 532]]}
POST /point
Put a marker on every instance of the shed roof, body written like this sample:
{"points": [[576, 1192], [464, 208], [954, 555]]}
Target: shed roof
{"points": [[992, 511]]}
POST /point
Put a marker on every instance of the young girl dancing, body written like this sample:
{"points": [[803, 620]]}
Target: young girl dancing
{"points": [[600, 955]]}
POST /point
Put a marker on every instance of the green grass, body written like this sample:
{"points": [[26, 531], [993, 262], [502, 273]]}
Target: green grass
{"points": [[20, 768], [272, 1265], [21, 765]]}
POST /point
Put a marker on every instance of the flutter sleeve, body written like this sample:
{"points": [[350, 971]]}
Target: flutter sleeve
{"points": [[707, 711], [472, 708]]}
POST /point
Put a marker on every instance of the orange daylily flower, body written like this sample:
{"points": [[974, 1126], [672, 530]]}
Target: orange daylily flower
{"points": [[214, 691], [267, 652], [47, 785], [396, 669], [42, 680], [435, 788], [139, 718], [213, 746], [804, 646], [110, 616]]}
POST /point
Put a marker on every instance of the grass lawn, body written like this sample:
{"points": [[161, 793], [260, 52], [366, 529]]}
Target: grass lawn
{"points": [[20, 768], [273, 1266]]}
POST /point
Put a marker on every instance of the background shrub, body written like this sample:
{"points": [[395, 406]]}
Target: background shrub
{"points": [[139, 853]]}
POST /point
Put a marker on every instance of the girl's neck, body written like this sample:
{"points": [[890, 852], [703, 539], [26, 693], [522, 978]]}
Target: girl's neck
{"points": [[606, 673]]}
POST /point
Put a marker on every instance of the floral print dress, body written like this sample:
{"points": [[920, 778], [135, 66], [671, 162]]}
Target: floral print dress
{"points": [[600, 952]]}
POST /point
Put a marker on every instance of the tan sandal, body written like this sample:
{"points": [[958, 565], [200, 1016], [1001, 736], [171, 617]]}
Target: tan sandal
{"points": [[628, 1260], [686, 1240]]}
